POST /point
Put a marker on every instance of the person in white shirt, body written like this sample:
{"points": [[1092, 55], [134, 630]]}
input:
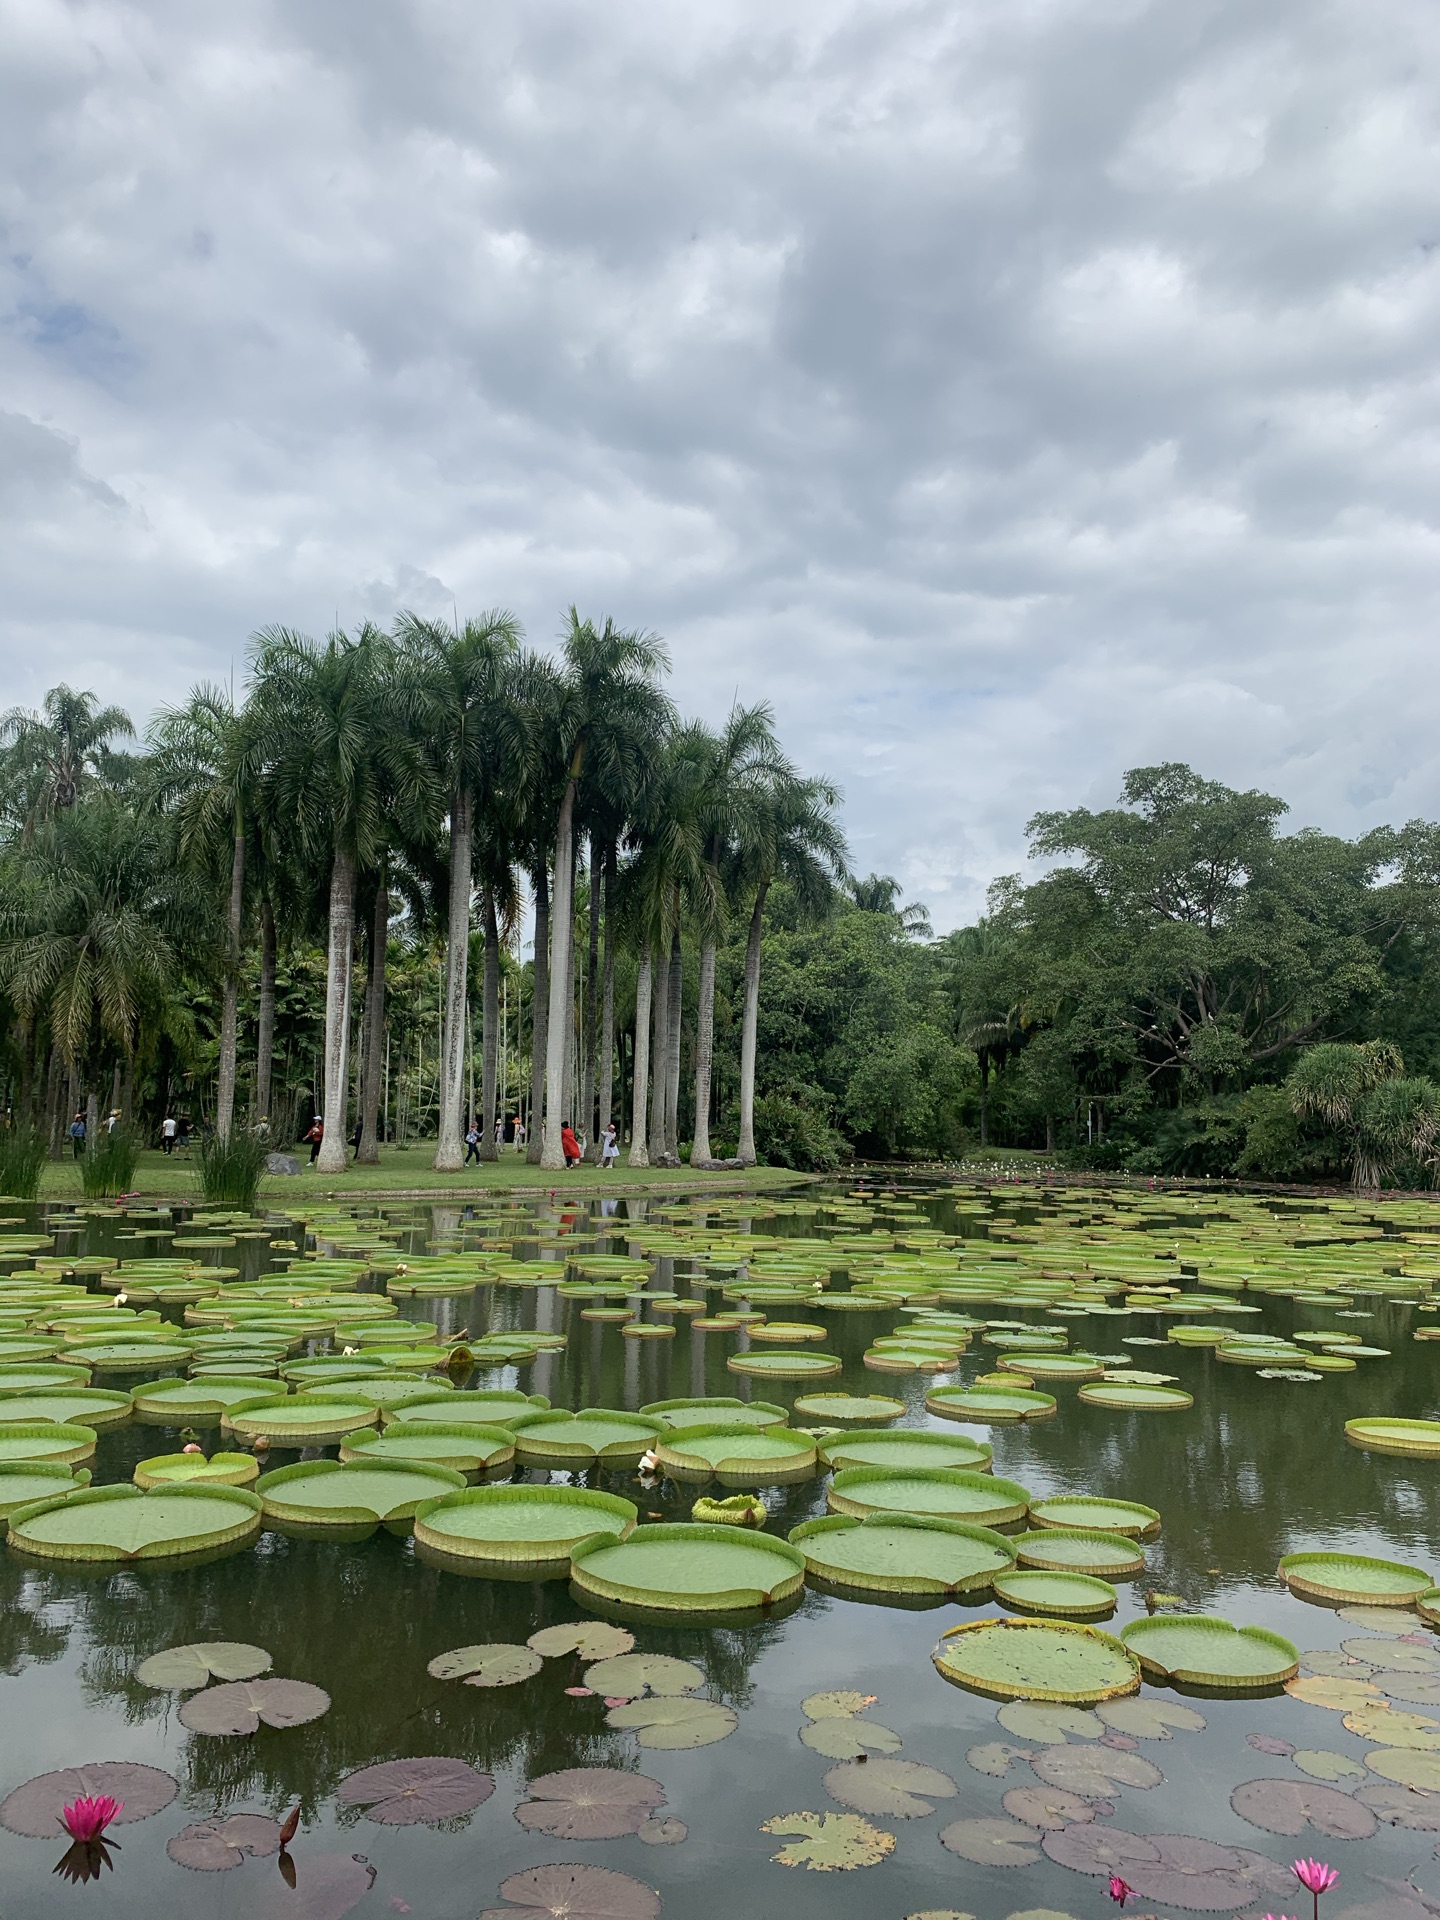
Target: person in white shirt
{"points": [[167, 1134], [609, 1147]]}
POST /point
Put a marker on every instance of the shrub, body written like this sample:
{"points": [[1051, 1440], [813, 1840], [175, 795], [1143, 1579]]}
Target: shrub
{"points": [[22, 1155], [108, 1164], [231, 1170], [791, 1131]]}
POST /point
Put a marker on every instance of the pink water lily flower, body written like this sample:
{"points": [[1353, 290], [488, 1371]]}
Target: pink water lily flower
{"points": [[1120, 1890], [88, 1818], [1316, 1878]]}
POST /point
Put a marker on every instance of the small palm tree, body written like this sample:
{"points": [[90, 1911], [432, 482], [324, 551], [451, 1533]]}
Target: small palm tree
{"points": [[49, 759]]}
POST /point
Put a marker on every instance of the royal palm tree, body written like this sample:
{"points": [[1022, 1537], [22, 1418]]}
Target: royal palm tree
{"points": [[49, 759]]}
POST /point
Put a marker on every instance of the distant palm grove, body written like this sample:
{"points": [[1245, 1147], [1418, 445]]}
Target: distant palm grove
{"points": [[306, 902]]}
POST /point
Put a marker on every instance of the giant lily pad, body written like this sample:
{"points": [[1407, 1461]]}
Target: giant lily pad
{"points": [[431, 1443], [25, 1442], [34, 1809], [323, 1495], [982, 1499], [1037, 1590], [193, 1469], [1353, 1578], [875, 1408], [589, 1803], [689, 1569], [1418, 1438], [1079, 1550], [577, 1439], [92, 1407], [120, 1523], [407, 1793], [674, 1723], [990, 1406], [301, 1420], [785, 1366], [739, 1456], [905, 1448], [991, 1842], [899, 1789], [829, 1842], [574, 1893], [1176, 1869], [495, 1664], [183, 1669], [1037, 1660], [1289, 1806], [241, 1706], [24, 1481], [1091, 1514], [181, 1403], [517, 1526], [630, 1676], [902, 1552], [487, 1409], [132, 1356], [1053, 1366], [1200, 1649], [41, 1379], [715, 1411], [1133, 1397], [217, 1846]]}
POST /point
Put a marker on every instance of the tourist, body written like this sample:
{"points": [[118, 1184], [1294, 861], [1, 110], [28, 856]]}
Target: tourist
{"points": [[472, 1144], [315, 1136], [357, 1136], [77, 1136], [519, 1134], [570, 1146], [609, 1147], [167, 1134]]}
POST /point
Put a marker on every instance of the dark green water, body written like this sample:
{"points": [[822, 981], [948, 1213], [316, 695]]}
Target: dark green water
{"points": [[1256, 1469]]}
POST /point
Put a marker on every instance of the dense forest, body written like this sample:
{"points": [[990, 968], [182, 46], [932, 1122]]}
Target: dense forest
{"points": [[309, 901]]}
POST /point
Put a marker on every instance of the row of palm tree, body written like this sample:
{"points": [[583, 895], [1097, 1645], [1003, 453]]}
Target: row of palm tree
{"points": [[432, 771]]}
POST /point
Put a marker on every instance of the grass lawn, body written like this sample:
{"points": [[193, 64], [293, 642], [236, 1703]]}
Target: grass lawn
{"points": [[406, 1172]]}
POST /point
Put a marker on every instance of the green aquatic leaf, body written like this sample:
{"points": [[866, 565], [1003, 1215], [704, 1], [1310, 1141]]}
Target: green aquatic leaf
{"points": [[1094, 1772], [1037, 1590], [515, 1526], [902, 1553], [848, 1737], [496, 1664], [632, 1675], [1204, 1650], [674, 1723], [324, 1493], [1135, 1397], [785, 1366], [595, 1433], [1037, 1660], [906, 1448], [1352, 1577], [829, 1842], [590, 1639], [996, 1757], [899, 1789], [991, 1841], [93, 1407], [31, 1442], [1091, 1514], [120, 1523], [1320, 1763], [718, 1410], [829, 1407], [689, 1569], [1032, 1720], [982, 1499], [835, 1703], [183, 1669], [1150, 1719], [990, 1406], [1080, 1550], [738, 1455], [190, 1469]]}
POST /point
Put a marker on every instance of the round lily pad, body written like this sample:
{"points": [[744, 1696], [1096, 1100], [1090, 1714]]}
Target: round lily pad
{"points": [[859, 1407], [183, 1669], [242, 1706], [689, 1569], [1080, 1550], [1091, 1514], [320, 1495], [905, 1447], [407, 1793], [469, 1409], [1037, 1590], [836, 1703], [120, 1523], [848, 1737], [1095, 1772], [218, 1846], [1353, 1577], [132, 1356], [1175, 1869], [902, 1552], [738, 1455], [497, 1664], [630, 1676], [1037, 1660], [715, 1411], [589, 1803], [34, 1809], [1398, 1806], [1048, 1723], [990, 1406], [302, 1420], [674, 1723], [1395, 1727], [26, 1442], [181, 1403], [590, 1639], [22, 1481], [1338, 1694], [1322, 1763], [41, 1378], [1048, 1807], [431, 1443], [193, 1469], [1201, 1649], [1419, 1438], [829, 1842], [1150, 1719], [991, 1841], [1289, 1806], [897, 1789], [785, 1366], [92, 1407], [519, 1526], [1053, 1366], [595, 1433], [1406, 1767], [982, 1499], [1133, 1397]]}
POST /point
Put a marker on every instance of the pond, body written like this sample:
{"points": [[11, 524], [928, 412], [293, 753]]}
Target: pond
{"points": [[1240, 1305]]}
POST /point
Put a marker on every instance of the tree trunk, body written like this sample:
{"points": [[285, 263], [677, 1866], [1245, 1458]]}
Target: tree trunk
{"points": [[659, 1035], [562, 929], [127, 1094], [230, 993], [639, 1155], [984, 1100], [672, 1049], [339, 961], [54, 1132], [607, 1014], [592, 1000], [1049, 1133], [490, 1015], [25, 1104], [749, 1026], [704, 1053], [539, 1015], [450, 1145], [265, 1030], [368, 1152]]}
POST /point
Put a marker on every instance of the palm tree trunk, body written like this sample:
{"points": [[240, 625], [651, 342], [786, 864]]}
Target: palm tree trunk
{"points": [[704, 1053], [659, 1034], [607, 1012], [562, 934], [368, 1152], [54, 1132], [749, 1027], [490, 1016], [984, 1099], [450, 1147], [339, 960], [639, 1155], [539, 1014], [230, 993], [592, 999], [672, 1049], [265, 1033]]}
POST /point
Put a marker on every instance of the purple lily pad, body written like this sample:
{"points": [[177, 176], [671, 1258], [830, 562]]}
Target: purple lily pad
{"points": [[1289, 1806], [34, 1809], [407, 1793], [326, 1887], [243, 1704], [1048, 1807], [1412, 1807], [1270, 1743], [663, 1833], [1094, 1771], [214, 1846], [1178, 1869], [589, 1803], [996, 1757], [574, 1893]]}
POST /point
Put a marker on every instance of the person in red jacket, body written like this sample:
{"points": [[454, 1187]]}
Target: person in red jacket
{"points": [[569, 1145]]}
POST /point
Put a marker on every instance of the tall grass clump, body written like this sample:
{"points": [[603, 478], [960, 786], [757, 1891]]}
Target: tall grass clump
{"points": [[231, 1170], [22, 1155], [107, 1166]]}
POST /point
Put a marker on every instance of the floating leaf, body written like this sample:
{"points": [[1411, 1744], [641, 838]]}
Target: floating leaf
{"points": [[979, 1499], [1032, 1721], [1037, 1660], [1179, 1869], [991, 1842], [405, 1793], [1289, 1806], [591, 1639], [1047, 1807], [675, 1724], [1204, 1650], [589, 1803], [829, 1842], [182, 1669], [902, 1552], [1109, 1556], [574, 1893], [1401, 1806], [520, 1526], [1396, 1656], [1341, 1696], [241, 1706], [690, 1569], [1394, 1727], [120, 1523], [1406, 1767], [1336, 1665], [1094, 1771], [1352, 1577], [892, 1787], [835, 1703], [215, 1846], [34, 1809], [1333, 1768], [1421, 1689], [322, 1886], [630, 1675], [1269, 1743], [498, 1664], [995, 1757], [847, 1738], [1150, 1719], [1377, 1619], [1038, 1590], [662, 1833], [1092, 1515]]}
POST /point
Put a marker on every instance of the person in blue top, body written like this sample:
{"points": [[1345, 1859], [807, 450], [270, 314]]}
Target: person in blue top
{"points": [[77, 1136]]}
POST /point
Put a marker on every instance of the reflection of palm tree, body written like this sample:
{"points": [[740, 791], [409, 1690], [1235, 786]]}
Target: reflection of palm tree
{"points": [[50, 758]]}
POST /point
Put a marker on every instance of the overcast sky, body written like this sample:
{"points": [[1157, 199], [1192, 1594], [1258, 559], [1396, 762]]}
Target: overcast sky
{"points": [[1011, 393]]}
